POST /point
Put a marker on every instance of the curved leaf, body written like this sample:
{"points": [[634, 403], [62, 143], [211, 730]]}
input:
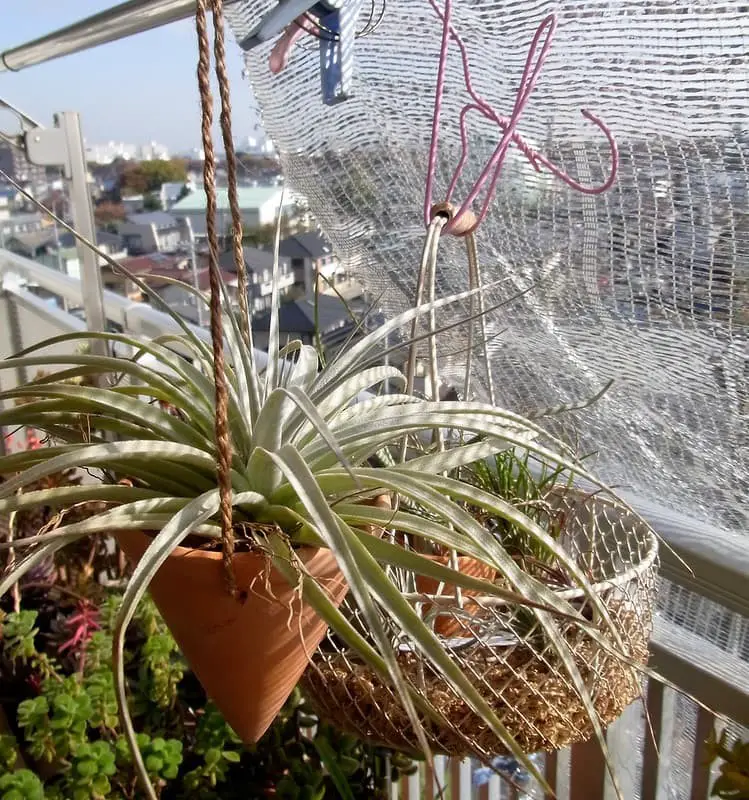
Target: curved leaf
{"points": [[112, 453]]}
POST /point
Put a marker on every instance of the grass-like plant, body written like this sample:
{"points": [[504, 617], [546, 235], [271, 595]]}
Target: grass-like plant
{"points": [[302, 439]]}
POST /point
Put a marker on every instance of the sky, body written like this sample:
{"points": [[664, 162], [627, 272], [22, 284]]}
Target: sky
{"points": [[136, 90]]}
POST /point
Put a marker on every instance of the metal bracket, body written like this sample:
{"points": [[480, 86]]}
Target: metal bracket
{"points": [[47, 147], [44, 147], [62, 146], [337, 23]]}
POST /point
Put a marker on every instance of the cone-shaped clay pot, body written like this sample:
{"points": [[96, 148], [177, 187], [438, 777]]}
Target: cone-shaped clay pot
{"points": [[446, 624], [248, 656]]}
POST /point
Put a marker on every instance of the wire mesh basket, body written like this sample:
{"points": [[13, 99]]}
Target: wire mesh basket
{"points": [[506, 653]]}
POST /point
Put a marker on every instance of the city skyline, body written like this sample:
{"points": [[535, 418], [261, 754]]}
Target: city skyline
{"points": [[139, 89]]}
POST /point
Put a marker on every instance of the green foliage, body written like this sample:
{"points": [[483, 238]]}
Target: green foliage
{"points": [[148, 176], [18, 634], [219, 746], [152, 202], [55, 723], [162, 757], [21, 785], [92, 765], [8, 753], [733, 781], [161, 669], [526, 484], [72, 728]]}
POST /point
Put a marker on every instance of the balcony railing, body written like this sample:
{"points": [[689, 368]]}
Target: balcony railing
{"points": [[700, 643]]}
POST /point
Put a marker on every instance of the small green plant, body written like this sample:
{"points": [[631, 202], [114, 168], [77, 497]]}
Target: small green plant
{"points": [[69, 731], [733, 781], [527, 484], [21, 785]]}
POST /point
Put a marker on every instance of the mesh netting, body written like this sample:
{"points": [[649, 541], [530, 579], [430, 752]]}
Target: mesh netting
{"points": [[505, 652], [647, 284]]}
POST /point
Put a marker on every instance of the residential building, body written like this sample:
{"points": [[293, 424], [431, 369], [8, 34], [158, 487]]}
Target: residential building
{"points": [[10, 200], [259, 264], [153, 264], [109, 152], [19, 223], [311, 256], [133, 203], [59, 250], [151, 232], [182, 300], [296, 320], [258, 205], [171, 192], [14, 163], [153, 151]]}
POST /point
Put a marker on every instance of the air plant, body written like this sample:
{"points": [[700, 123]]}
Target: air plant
{"points": [[301, 439]]}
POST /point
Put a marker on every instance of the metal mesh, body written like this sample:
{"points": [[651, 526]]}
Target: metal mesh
{"points": [[647, 284], [505, 652]]}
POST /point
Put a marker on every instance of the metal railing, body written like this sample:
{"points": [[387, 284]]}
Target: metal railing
{"points": [[709, 661]]}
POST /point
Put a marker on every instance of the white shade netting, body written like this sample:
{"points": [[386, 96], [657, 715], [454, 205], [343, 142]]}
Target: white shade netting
{"points": [[647, 284]]}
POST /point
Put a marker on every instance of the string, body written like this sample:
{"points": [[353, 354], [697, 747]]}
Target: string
{"points": [[510, 135], [223, 443], [219, 50]]}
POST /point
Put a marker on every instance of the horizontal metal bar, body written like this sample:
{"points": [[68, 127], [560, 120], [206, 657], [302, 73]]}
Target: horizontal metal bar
{"points": [[126, 19]]}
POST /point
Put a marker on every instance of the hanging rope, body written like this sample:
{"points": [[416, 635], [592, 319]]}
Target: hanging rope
{"points": [[223, 443], [219, 51]]}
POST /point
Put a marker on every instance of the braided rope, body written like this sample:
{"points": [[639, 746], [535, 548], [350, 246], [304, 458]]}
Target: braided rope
{"points": [[223, 443], [219, 51]]}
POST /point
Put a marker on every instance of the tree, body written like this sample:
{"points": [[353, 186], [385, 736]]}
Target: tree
{"points": [[152, 202], [263, 236], [107, 212], [148, 176]]}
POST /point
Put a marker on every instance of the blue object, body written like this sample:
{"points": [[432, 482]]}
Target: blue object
{"points": [[331, 54], [337, 37], [507, 767]]}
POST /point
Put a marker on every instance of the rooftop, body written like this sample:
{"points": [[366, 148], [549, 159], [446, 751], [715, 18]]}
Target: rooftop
{"points": [[299, 316], [306, 245], [153, 262], [186, 276], [248, 196], [21, 219], [113, 240], [160, 219], [256, 260], [33, 240]]}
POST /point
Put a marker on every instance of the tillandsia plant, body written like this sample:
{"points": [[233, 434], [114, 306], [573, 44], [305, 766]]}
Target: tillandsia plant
{"points": [[514, 476], [301, 445], [301, 440]]}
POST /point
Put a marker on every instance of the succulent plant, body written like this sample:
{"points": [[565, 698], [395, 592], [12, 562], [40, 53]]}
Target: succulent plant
{"points": [[301, 441]]}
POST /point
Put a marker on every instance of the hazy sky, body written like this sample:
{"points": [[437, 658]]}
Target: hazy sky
{"points": [[135, 90]]}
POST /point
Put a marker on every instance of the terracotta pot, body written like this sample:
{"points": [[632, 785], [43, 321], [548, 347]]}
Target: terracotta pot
{"points": [[248, 656], [446, 624]]}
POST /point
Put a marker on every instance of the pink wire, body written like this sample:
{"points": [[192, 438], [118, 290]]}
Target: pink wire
{"points": [[528, 81], [438, 94]]}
